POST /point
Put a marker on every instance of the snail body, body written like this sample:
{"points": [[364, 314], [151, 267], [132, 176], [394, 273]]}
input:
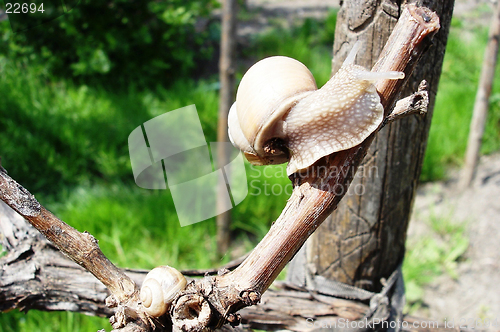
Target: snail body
{"points": [[159, 289], [280, 115]]}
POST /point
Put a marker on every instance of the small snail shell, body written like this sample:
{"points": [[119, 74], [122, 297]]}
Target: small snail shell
{"points": [[159, 288], [279, 114]]}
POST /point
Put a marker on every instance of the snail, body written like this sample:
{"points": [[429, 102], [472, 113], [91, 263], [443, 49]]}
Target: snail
{"points": [[159, 288], [280, 115]]}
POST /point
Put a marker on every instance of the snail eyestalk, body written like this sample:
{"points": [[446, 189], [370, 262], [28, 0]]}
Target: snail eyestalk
{"points": [[278, 101], [372, 77]]}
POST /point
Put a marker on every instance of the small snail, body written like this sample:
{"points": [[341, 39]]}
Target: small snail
{"points": [[280, 115], [159, 288]]}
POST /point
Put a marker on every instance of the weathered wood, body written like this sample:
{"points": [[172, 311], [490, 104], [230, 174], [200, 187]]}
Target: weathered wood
{"points": [[417, 103], [481, 103], [82, 248], [302, 311], [226, 98], [364, 240], [35, 275]]}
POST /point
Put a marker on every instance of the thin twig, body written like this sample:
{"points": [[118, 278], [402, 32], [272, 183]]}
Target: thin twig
{"points": [[414, 104]]}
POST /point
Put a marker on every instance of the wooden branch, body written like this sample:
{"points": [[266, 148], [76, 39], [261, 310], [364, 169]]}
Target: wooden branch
{"points": [[82, 248], [415, 104], [301, 311], [316, 193], [34, 274], [294, 310], [481, 102]]}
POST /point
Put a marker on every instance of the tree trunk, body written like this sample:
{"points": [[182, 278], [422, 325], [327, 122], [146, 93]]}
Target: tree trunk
{"points": [[226, 78], [364, 240], [482, 101]]}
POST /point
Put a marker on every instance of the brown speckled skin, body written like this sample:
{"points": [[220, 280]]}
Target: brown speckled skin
{"points": [[340, 115]]}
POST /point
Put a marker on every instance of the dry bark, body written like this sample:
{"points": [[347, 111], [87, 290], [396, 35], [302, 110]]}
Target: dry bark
{"points": [[315, 195], [82, 248], [35, 275]]}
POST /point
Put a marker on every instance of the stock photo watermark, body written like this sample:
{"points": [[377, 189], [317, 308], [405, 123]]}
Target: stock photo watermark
{"points": [[260, 179], [344, 323], [170, 150], [462, 324]]}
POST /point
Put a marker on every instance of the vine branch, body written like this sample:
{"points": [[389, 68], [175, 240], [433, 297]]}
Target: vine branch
{"points": [[317, 191], [82, 248]]}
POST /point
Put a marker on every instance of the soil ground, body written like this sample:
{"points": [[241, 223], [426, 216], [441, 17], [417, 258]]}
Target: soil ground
{"points": [[474, 295]]}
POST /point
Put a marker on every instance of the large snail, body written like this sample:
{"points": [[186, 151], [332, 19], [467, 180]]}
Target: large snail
{"points": [[159, 289], [280, 115]]}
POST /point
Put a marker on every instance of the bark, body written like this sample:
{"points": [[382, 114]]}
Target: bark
{"points": [[315, 195], [36, 275], [481, 103], [82, 248], [364, 240], [226, 98]]}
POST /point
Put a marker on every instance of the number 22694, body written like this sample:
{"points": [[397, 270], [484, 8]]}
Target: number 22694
{"points": [[23, 8]]}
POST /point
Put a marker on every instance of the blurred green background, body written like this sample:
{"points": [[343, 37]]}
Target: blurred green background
{"points": [[74, 88]]}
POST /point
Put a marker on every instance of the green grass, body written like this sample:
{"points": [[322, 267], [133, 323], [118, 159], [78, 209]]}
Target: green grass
{"points": [[310, 43], [455, 101], [78, 134], [40, 321], [67, 143], [138, 228], [432, 255]]}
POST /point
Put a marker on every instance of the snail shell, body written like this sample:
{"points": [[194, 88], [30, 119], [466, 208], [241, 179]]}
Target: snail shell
{"points": [[159, 289], [279, 114], [266, 93]]}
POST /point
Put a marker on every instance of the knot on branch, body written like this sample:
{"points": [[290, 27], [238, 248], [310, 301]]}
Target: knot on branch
{"points": [[250, 297], [191, 312], [416, 103]]}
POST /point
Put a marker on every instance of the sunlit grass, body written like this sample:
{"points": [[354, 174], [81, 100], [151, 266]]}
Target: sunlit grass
{"points": [[40, 321], [454, 103], [432, 255]]}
